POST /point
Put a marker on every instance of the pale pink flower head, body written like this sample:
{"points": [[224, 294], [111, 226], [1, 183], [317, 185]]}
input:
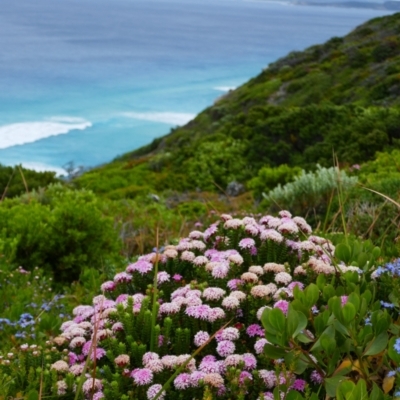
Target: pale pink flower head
{"points": [[122, 277], [163, 277], [225, 348], [283, 278], [182, 381], [92, 385], [153, 390], [122, 360], [108, 286], [141, 266], [234, 284], [201, 338], [247, 243], [213, 293], [142, 376], [230, 303], [233, 223], [60, 366]]}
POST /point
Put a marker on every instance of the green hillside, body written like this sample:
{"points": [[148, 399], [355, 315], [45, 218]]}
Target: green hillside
{"points": [[340, 97]]}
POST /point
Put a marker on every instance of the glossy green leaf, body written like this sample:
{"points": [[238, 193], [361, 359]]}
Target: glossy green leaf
{"points": [[349, 312], [377, 345], [343, 252], [274, 352], [331, 384], [311, 294]]}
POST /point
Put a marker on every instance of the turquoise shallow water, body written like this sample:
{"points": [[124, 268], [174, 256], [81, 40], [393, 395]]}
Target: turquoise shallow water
{"points": [[87, 80]]}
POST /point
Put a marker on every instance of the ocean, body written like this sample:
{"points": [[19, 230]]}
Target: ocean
{"points": [[83, 81]]}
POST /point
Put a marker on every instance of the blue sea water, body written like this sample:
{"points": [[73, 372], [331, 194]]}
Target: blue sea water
{"points": [[83, 81]]}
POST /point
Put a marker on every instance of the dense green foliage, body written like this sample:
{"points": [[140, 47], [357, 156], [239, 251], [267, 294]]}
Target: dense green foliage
{"points": [[341, 96], [17, 180], [59, 229]]}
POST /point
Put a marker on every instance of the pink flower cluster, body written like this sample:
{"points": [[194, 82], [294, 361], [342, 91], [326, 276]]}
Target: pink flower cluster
{"points": [[238, 267]]}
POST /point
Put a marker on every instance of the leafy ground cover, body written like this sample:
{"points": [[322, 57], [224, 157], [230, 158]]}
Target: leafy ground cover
{"points": [[255, 309]]}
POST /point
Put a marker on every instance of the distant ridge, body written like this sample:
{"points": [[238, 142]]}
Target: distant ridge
{"points": [[342, 96]]}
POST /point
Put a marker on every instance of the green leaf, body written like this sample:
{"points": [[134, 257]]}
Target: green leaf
{"points": [[301, 337], [311, 294], [349, 312], [328, 343], [354, 299], [294, 395], [343, 252], [331, 384], [33, 395], [376, 393], [274, 352], [376, 252], [362, 260], [361, 391], [344, 390], [341, 328], [335, 304], [321, 281], [277, 319], [266, 322], [377, 345], [292, 321]]}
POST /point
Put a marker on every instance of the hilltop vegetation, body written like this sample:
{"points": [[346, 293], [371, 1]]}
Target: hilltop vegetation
{"points": [[341, 96]]}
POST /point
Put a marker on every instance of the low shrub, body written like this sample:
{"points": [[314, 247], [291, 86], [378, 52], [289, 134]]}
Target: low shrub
{"points": [[267, 310]]}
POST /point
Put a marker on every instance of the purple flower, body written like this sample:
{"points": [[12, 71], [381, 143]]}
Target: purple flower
{"points": [[198, 312], [182, 381], [259, 345], [292, 285], [299, 384], [201, 338], [343, 300], [316, 377], [283, 305], [250, 362], [196, 377], [142, 376], [177, 277], [108, 286], [163, 277], [234, 284], [122, 277], [153, 390], [255, 330], [245, 377], [141, 266], [225, 348], [247, 243]]}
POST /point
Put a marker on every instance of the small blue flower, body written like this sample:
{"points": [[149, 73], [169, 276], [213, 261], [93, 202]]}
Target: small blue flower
{"points": [[397, 345], [390, 374], [386, 304]]}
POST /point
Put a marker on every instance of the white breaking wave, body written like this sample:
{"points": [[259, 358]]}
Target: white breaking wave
{"points": [[28, 132], [40, 167], [224, 88], [171, 118]]}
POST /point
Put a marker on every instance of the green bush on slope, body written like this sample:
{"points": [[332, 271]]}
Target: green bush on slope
{"points": [[59, 229]]}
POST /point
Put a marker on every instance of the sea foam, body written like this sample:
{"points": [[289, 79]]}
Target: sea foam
{"points": [[40, 167], [224, 88], [170, 118], [28, 132]]}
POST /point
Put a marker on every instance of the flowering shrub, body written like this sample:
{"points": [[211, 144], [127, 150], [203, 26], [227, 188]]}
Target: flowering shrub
{"points": [[262, 307]]}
